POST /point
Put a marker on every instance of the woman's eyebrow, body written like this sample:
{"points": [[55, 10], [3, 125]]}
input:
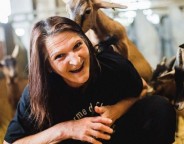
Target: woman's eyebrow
{"points": [[53, 53]]}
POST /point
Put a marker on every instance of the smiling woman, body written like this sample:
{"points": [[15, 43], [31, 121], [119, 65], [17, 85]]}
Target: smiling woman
{"points": [[76, 95], [69, 57]]}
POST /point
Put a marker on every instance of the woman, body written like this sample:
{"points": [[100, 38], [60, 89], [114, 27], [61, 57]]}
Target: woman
{"points": [[76, 96]]}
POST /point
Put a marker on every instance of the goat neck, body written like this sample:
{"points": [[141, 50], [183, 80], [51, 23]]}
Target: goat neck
{"points": [[105, 26]]}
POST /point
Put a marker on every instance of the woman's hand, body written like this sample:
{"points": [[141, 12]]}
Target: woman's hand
{"points": [[109, 111], [90, 129], [117, 110]]}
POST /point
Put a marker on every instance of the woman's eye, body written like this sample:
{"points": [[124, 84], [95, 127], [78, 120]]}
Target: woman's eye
{"points": [[77, 45], [59, 56]]}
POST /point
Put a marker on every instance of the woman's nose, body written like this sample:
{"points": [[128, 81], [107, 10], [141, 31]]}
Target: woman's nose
{"points": [[74, 59]]}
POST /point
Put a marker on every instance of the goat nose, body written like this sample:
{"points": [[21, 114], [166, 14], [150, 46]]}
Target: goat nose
{"points": [[176, 105], [179, 105], [12, 73]]}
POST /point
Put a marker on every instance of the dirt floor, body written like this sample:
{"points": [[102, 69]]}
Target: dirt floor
{"points": [[180, 133], [6, 116]]}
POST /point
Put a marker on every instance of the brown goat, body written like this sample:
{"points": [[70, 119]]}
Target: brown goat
{"points": [[161, 83], [168, 80], [14, 84], [88, 15]]}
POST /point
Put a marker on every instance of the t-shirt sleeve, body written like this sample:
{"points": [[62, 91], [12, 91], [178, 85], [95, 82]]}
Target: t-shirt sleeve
{"points": [[21, 125], [123, 77], [130, 82]]}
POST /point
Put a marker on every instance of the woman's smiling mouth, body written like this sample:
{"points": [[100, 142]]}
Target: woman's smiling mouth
{"points": [[77, 70]]}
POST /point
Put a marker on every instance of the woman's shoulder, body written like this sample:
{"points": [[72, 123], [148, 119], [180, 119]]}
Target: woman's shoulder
{"points": [[25, 96], [114, 61]]}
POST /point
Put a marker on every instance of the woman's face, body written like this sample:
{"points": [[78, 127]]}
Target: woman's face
{"points": [[69, 57]]}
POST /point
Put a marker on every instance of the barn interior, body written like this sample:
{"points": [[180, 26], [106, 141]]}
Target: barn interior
{"points": [[156, 27]]}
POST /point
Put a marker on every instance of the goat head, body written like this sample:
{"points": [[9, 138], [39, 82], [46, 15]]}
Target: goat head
{"points": [[8, 65], [84, 12], [163, 67], [179, 78], [170, 83]]}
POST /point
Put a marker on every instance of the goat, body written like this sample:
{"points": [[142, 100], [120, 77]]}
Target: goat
{"points": [[169, 82], [160, 84], [88, 15], [14, 84]]}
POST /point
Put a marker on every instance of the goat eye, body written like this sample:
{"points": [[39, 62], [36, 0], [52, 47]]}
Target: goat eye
{"points": [[88, 11]]}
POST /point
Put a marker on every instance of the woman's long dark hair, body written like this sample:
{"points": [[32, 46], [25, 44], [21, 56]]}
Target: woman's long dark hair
{"points": [[38, 71]]}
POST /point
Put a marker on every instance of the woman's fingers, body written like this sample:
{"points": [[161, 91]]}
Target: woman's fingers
{"points": [[102, 124], [99, 110], [92, 140], [93, 136], [102, 120], [101, 127], [91, 129], [100, 135]]}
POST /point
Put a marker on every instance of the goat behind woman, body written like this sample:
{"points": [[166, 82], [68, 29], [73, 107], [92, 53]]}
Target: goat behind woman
{"points": [[14, 84]]}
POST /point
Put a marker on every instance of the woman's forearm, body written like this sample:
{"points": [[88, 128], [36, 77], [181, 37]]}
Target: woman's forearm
{"points": [[123, 105], [85, 129], [51, 135], [117, 110]]}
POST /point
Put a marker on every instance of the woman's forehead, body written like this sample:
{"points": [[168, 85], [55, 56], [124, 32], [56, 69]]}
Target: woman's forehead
{"points": [[61, 41], [61, 38]]}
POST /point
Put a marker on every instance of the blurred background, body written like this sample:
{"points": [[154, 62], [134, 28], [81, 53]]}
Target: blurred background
{"points": [[155, 26]]}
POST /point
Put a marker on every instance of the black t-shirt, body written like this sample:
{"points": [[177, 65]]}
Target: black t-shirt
{"points": [[117, 80]]}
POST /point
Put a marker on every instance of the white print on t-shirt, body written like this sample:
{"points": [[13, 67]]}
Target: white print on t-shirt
{"points": [[90, 110], [87, 111]]}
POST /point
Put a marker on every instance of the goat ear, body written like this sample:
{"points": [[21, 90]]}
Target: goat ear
{"points": [[66, 1], [181, 46], [104, 4], [170, 63], [15, 51], [163, 61], [180, 58], [167, 76]]}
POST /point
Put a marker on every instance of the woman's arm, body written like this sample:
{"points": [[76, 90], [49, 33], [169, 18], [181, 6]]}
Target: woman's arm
{"points": [[86, 129], [50, 135], [115, 111]]}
